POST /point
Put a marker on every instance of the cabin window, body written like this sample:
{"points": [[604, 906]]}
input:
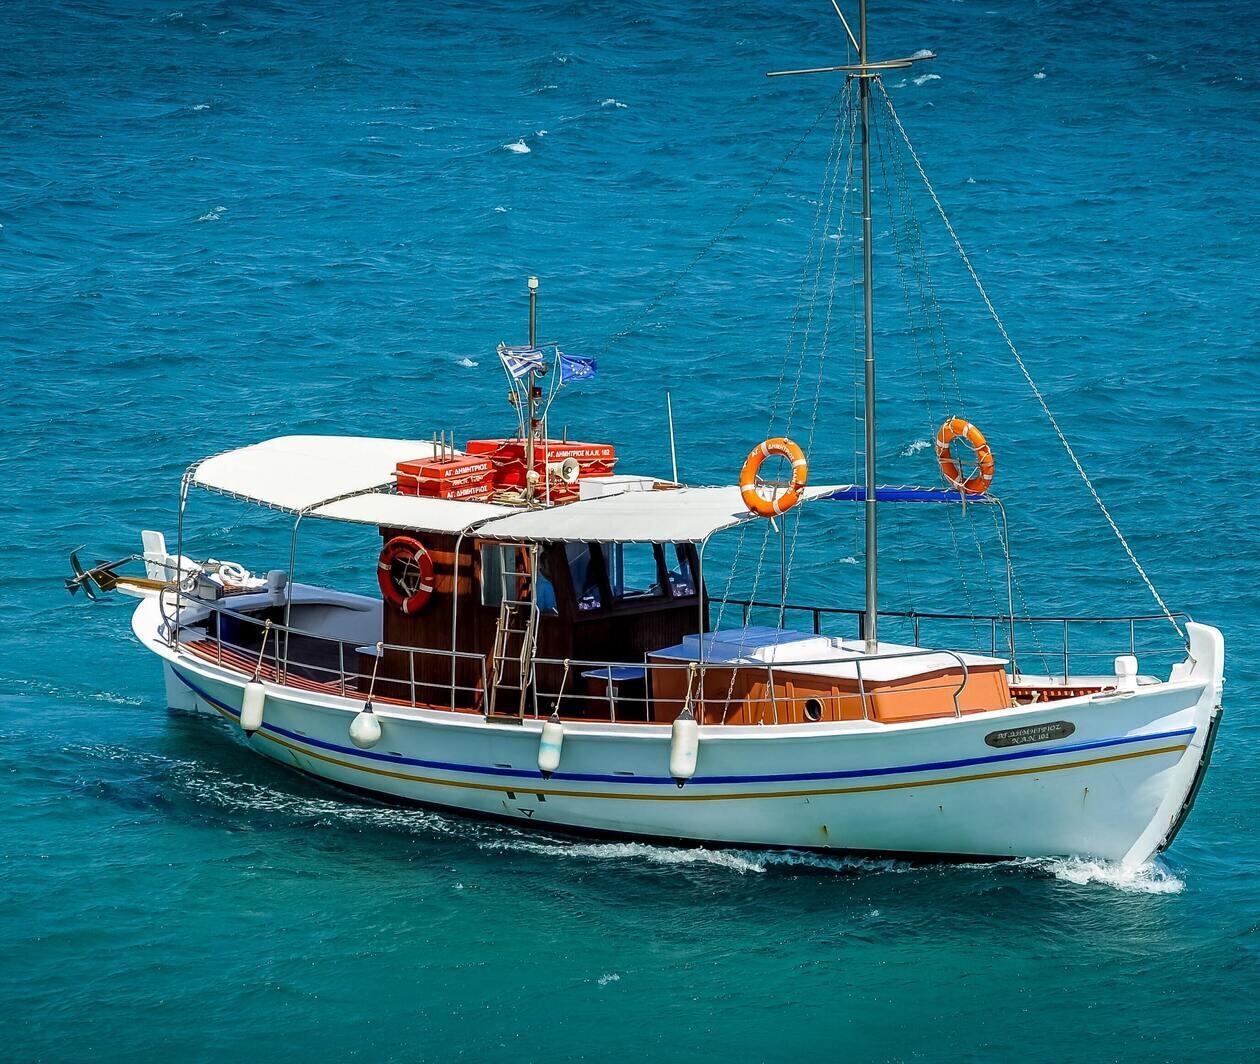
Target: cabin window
{"points": [[633, 571], [544, 589], [682, 581], [584, 569], [498, 561]]}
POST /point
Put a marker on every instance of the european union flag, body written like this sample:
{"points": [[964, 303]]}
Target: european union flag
{"points": [[575, 367]]}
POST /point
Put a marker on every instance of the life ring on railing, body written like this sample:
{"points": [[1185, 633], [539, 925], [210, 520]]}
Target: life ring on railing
{"points": [[959, 428], [405, 574], [753, 498]]}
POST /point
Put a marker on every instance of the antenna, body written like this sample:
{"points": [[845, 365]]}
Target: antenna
{"points": [[534, 392], [673, 453]]}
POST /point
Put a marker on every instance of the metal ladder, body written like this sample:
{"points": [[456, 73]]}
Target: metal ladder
{"points": [[515, 640]]}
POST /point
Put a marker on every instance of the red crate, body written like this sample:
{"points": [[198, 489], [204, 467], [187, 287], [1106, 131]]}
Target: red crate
{"points": [[433, 487], [508, 456], [461, 468]]}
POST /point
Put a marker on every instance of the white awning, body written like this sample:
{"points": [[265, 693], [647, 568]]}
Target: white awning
{"points": [[335, 476], [674, 515], [411, 512], [297, 472]]}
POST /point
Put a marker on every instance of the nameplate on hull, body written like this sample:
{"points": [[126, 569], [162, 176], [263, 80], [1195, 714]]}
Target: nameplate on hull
{"points": [[1032, 733]]}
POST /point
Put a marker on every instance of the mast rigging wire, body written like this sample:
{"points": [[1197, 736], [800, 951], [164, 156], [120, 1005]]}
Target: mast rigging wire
{"points": [[717, 238], [1032, 384]]}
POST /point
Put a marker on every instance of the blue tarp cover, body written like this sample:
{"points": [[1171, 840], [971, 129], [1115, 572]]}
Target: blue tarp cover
{"points": [[903, 493]]}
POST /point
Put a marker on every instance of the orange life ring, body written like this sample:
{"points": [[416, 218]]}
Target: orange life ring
{"points": [[979, 481], [757, 502], [405, 574]]}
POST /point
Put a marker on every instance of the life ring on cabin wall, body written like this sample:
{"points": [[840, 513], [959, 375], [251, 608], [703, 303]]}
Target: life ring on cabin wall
{"points": [[753, 498], [405, 574], [959, 428]]}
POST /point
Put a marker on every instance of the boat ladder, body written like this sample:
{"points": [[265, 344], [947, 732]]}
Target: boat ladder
{"points": [[515, 639]]}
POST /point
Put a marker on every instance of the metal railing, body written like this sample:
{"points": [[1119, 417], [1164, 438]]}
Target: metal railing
{"points": [[281, 664], [660, 688], [743, 690], [1045, 639]]}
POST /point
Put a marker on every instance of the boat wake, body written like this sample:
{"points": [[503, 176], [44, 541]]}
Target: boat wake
{"points": [[1153, 877], [1150, 878], [742, 862], [218, 793]]}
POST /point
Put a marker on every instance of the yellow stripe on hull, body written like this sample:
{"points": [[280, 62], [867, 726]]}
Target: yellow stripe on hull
{"points": [[529, 787]]}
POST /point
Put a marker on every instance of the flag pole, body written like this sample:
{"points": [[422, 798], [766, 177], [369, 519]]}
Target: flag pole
{"points": [[531, 474]]}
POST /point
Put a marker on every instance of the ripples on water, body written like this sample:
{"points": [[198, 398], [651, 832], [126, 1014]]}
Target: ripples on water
{"points": [[223, 222]]}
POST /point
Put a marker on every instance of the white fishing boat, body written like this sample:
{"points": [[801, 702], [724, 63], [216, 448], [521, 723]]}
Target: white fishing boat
{"points": [[548, 647]]}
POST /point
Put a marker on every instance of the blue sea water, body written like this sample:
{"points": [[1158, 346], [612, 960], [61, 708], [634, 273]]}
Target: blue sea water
{"points": [[227, 221]]}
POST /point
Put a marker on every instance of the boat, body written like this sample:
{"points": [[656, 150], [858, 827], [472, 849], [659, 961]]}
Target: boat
{"points": [[551, 646]]}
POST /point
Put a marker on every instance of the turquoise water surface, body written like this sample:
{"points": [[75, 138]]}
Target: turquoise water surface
{"points": [[222, 222]]}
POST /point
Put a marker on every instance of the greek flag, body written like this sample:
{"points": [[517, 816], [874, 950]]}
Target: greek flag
{"points": [[519, 361], [575, 367]]}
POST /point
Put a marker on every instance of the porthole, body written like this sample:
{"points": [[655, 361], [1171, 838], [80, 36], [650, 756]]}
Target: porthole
{"points": [[813, 710]]}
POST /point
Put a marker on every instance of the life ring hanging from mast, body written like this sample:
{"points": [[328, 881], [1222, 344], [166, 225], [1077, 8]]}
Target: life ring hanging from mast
{"points": [[978, 481], [404, 572], [748, 489]]}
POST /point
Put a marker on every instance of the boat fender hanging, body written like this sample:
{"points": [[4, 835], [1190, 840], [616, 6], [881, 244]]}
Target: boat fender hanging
{"points": [[549, 744], [684, 747], [753, 499], [365, 729], [252, 703], [956, 428], [405, 574]]}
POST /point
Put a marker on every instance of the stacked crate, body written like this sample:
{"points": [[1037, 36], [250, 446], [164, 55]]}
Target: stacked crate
{"points": [[455, 477], [508, 460]]}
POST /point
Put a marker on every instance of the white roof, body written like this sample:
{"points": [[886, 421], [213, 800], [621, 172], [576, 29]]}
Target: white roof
{"points": [[347, 478], [412, 512], [671, 515], [297, 472]]}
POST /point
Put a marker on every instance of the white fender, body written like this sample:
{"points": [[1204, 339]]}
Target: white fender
{"points": [[255, 698], [549, 744], [684, 747], [365, 729]]}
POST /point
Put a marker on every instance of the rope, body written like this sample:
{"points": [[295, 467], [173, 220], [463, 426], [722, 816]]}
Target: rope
{"points": [[815, 257], [717, 238], [821, 223], [1041, 401], [815, 244], [836, 257]]}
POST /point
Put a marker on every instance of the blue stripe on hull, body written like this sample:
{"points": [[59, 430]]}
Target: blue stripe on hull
{"points": [[782, 777]]}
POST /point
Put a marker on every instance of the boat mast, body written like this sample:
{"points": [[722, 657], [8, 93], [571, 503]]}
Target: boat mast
{"points": [[871, 616], [866, 72]]}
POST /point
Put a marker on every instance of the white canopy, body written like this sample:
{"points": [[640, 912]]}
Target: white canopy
{"points": [[347, 478], [412, 512], [297, 472], [672, 515]]}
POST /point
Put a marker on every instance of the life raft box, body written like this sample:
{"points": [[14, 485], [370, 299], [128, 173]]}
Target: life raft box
{"points": [[508, 458], [434, 488], [459, 477], [459, 468]]}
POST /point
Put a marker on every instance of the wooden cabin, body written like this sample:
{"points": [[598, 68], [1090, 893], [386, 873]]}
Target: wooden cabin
{"points": [[596, 602]]}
